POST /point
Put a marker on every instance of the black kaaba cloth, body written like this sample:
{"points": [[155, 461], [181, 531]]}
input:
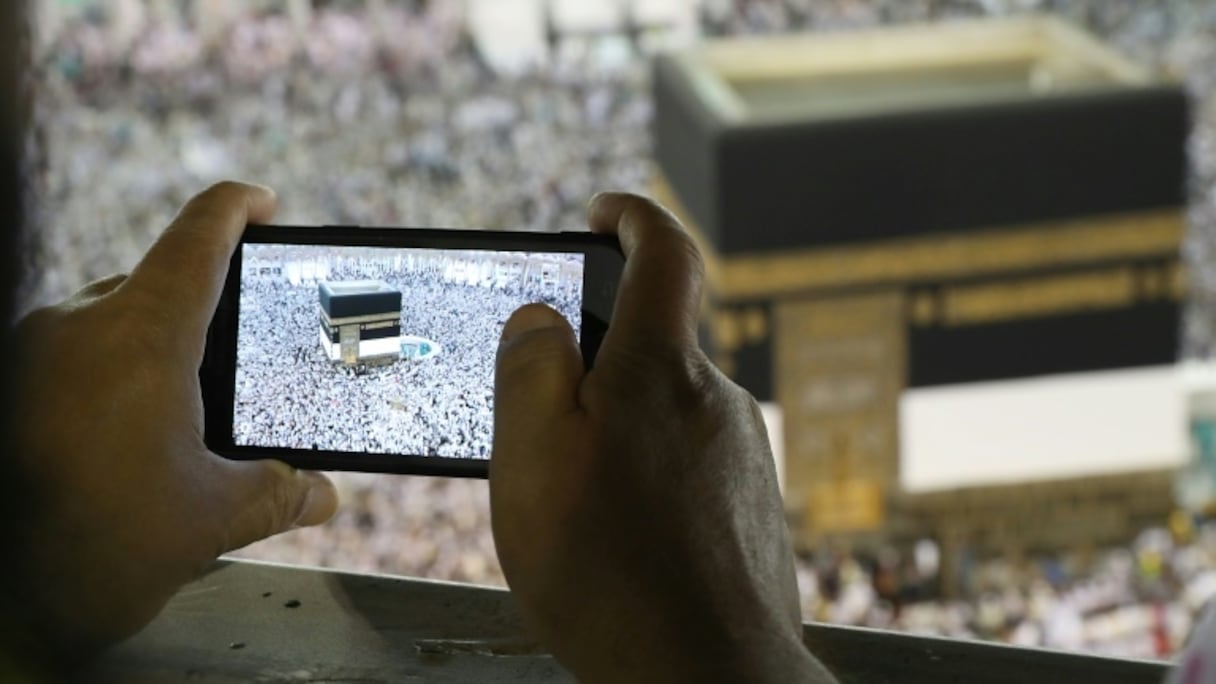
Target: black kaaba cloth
{"points": [[358, 298]]}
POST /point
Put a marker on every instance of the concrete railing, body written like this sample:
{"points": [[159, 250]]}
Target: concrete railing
{"points": [[249, 621]]}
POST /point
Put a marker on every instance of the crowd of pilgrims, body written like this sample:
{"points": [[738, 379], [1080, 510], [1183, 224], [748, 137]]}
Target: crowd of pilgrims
{"points": [[290, 394], [398, 120]]}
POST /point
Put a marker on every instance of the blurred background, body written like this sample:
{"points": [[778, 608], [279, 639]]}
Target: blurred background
{"points": [[509, 114]]}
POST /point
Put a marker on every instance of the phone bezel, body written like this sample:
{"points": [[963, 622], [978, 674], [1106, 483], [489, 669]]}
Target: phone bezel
{"points": [[217, 373]]}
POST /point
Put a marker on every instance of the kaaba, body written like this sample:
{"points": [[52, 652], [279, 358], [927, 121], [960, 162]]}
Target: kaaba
{"points": [[922, 207], [360, 321]]}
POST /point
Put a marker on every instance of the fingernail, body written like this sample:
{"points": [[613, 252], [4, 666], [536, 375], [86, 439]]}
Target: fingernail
{"points": [[320, 502], [529, 318], [259, 186], [605, 196]]}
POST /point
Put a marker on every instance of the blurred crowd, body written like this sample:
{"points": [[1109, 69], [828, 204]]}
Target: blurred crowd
{"points": [[350, 122], [1139, 601], [387, 114]]}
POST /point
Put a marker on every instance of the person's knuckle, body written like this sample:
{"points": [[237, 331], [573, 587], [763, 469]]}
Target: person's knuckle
{"points": [[671, 376]]}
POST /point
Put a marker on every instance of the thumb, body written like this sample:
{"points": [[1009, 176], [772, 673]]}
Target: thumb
{"points": [[273, 497], [537, 376]]}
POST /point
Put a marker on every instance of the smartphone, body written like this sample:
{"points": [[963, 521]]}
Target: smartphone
{"points": [[373, 349]]}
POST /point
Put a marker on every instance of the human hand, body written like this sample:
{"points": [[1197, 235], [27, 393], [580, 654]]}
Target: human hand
{"points": [[124, 502], [635, 506]]}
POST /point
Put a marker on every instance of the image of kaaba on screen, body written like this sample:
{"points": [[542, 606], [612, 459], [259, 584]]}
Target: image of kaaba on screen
{"points": [[382, 350]]}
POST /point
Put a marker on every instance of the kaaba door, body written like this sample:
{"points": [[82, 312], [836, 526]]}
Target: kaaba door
{"points": [[838, 376]]}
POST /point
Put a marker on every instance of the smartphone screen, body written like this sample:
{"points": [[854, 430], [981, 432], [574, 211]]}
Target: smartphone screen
{"points": [[345, 355]]}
